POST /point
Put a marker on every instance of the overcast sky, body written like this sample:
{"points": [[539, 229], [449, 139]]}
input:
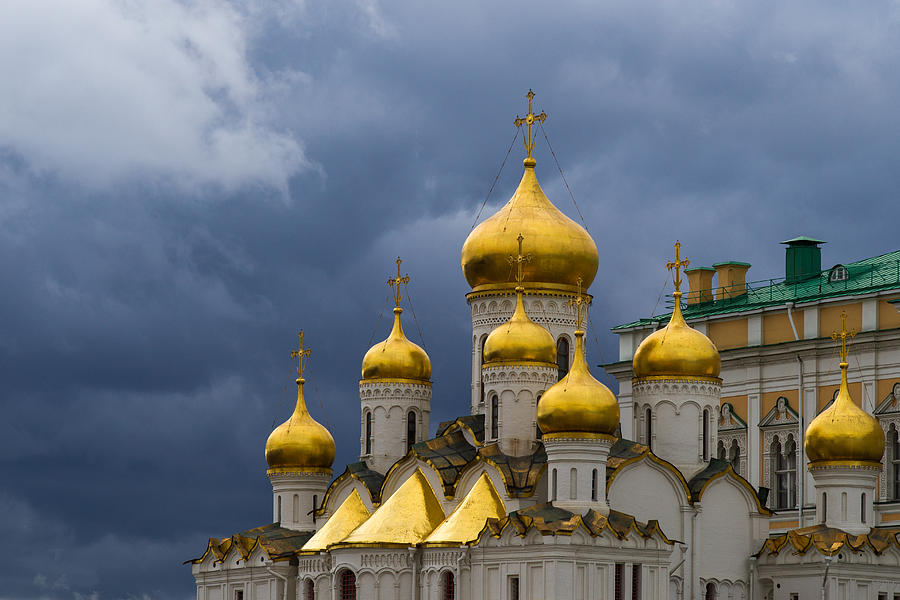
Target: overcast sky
{"points": [[186, 184]]}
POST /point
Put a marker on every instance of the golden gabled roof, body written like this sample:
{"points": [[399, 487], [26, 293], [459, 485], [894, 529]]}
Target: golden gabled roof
{"points": [[404, 519], [468, 519], [349, 515]]}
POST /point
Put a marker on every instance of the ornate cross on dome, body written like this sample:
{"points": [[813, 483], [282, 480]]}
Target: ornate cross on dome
{"points": [[300, 353], [843, 335], [677, 265], [529, 120], [519, 260], [578, 303], [395, 282]]}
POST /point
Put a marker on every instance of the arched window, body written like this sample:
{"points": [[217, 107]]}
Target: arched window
{"points": [[295, 508], [279, 509], [594, 485], [368, 433], [710, 591], [495, 417], [843, 506], [553, 485], [862, 508], [824, 507], [348, 585], [562, 357], [573, 484], [481, 372], [310, 589], [893, 444], [410, 430], [648, 427], [785, 472], [448, 586], [720, 451], [734, 456], [314, 506], [705, 434]]}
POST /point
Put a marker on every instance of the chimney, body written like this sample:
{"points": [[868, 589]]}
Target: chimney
{"points": [[802, 259], [700, 284], [732, 279]]}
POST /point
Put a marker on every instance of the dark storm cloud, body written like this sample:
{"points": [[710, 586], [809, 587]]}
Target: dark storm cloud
{"points": [[186, 185]]}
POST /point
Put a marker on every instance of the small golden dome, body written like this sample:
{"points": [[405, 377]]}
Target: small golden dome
{"points": [[396, 357], [578, 403], [301, 443], [844, 432], [561, 249], [677, 350], [520, 339]]}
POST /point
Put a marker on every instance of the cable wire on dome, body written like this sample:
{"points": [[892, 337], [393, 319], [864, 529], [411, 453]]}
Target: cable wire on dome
{"points": [[378, 322], [559, 168], [490, 191], [413, 310]]}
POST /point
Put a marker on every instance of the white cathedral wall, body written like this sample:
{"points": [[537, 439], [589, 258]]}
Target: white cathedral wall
{"points": [[648, 491], [725, 535]]}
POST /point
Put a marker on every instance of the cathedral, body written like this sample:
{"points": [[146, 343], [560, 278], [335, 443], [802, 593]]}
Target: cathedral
{"points": [[551, 487]]}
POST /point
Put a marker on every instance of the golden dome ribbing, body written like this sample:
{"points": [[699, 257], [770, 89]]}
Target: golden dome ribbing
{"points": [[578, 403], [677, 350], [561, 249], [300, 443], [844, 432], [396, 357], [520, 339]]}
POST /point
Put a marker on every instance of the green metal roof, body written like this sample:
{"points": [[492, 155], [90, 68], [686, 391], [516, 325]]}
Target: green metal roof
{"points": [[865, 276], [731, 262]]}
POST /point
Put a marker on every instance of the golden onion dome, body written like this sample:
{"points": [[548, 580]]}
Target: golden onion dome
{"points": [[561, 249], [520, 339], [844, 432], [396, 357], [578, 403], [677, 350], [301, 443]]}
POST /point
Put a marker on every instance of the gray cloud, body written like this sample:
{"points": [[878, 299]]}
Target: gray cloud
{"points": [[184, 185]]}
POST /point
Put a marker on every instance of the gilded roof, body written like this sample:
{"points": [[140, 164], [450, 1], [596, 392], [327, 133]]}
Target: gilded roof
{"points": [[621, 451], [373, 481], [406, 518], [828, 541], [468, 518], [474, 423], [551, 520], [278, 542], [520, 473], [349, 515], [448, 455]]}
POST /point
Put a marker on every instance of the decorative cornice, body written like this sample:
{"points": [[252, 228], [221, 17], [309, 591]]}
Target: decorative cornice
{"points": [[862, 465], [577, 436], [286, 472], [379, 381]]}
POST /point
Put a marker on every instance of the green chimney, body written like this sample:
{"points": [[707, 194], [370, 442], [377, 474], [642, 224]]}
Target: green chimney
{"points": [[802, 259]]}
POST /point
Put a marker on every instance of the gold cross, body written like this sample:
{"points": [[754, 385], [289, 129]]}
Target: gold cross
{"points": [[529, 120], [300, 353], [395, 282], [677, 266], [577, 303], [519, 260], [843, 335]]}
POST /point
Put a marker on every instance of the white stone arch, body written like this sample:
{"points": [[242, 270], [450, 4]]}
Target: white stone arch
{"points": [[651, 489], [341, 490], [403, 469], [470, 475]]}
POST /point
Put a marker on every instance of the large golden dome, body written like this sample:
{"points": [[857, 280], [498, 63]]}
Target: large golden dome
{"points": [[300, 443], [578, 403], [519, 340], [844, 432], [396, 357], [561, 249], [677, 350]]}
